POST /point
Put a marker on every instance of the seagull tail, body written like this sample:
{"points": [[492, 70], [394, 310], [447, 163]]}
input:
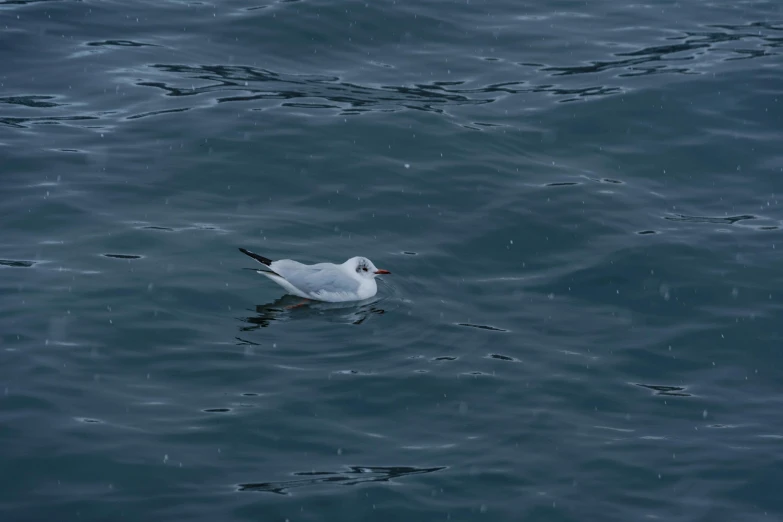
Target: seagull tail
{"points": [[261, 259]]}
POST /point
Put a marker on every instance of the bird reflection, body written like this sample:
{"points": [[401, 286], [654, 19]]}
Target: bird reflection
{"points": [[289, 308]]}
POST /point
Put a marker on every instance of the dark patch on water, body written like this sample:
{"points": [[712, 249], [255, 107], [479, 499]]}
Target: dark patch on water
{"points": [[120, 43], [250, 394], [309, 105], [35, 101], [502, 357], [23, 2], [481, 124], [562, 184], [482, 327], [16, 264], [350, 477], [217, 410], [647, 232], [151, 227], [671, 391], [410, 253], [122, 256], [445, 358]]}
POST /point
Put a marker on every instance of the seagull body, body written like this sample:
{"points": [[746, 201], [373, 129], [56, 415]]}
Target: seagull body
{"points": [[353, 280]]}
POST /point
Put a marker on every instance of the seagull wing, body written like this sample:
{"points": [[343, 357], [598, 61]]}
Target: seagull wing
{"points": [[319, 281]]}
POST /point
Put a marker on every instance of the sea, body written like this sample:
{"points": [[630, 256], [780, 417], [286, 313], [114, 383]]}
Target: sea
{"points": [[578, 202]]}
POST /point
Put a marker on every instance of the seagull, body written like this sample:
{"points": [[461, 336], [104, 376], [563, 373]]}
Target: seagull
{"points": [[353, 280]]}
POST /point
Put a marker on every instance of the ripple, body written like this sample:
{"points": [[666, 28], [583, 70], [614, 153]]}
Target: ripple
{"points": [[286, 309], [194, 226], [690, 52], [122, 256], [352, 476], [25, 2], [167, 229], [120, 43], [24, 123], [502, 357], [157, 113], [34, 101], [729, 220], [351, 98], [671, 391], [661, 59], [17, 264], [482, 327]]}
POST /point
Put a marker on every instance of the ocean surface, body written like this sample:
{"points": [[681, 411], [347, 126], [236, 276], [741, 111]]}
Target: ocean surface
{"points": [[579, 203]]}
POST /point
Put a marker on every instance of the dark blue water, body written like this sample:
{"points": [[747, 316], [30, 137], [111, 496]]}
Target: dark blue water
{"points": [[579, 203]]}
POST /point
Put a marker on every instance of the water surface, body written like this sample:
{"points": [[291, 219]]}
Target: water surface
{"points": [[579, 204]]}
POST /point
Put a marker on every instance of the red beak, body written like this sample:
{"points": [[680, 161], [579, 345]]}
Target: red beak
{"points": [[381, 271]]}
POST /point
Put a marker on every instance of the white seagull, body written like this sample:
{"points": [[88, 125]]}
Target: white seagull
{"points": [[353, 280]]}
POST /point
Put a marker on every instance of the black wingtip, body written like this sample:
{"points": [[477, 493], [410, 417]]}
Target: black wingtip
{"points": [[260, 259]]}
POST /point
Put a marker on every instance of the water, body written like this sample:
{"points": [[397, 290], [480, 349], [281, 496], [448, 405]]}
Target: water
{"points": [[579, 202]]}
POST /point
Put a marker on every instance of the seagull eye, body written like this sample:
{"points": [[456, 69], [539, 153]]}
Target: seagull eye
{"points": [[364, 268]]}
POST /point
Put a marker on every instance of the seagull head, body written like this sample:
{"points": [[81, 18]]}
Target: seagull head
{"points": [[364, 267]]}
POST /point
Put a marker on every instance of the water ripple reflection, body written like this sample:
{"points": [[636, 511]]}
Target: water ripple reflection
{"points": [[652, 60], [691, 52], [352, 476]]}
